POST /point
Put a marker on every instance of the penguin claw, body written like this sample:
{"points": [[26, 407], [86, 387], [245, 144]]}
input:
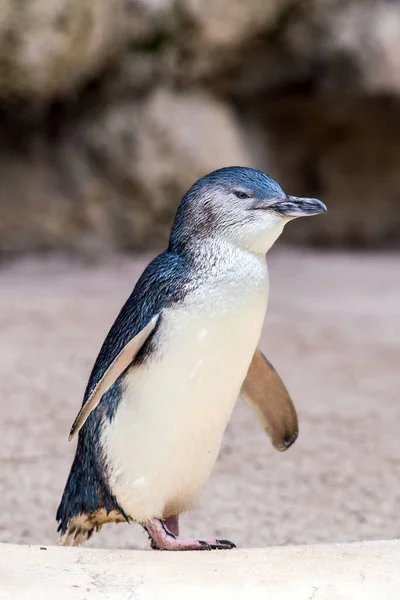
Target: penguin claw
{"points": [[162, 539], [217, 544], [223, 545]]}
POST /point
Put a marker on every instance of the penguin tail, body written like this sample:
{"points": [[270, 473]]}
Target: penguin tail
{"points": [[80, 528], [87, 502]]}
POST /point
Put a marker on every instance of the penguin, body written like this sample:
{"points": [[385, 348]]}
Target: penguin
{"points": [[181, 351]]}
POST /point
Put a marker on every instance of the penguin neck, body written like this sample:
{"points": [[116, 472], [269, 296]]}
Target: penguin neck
{"points": [[217, 245], [219, 254], [223, 276]]}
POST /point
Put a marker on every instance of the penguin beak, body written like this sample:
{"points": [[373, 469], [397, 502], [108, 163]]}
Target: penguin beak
{"points": [[298, 207]]}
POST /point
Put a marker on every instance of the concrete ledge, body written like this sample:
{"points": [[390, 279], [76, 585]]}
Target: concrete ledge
{"points": [[367, 571]]}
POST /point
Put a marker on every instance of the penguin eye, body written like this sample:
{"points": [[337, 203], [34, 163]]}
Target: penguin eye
{"points": [[241, 195]]}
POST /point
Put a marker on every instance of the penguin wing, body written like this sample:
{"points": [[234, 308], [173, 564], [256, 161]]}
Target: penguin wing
{"points": [[265, 392], [118, 366], [162, 284]]}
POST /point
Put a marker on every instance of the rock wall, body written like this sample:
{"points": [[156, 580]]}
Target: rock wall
{"points": [[110, 109]]}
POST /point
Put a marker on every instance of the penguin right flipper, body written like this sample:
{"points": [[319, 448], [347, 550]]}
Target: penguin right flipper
{"points": [[265, 392], [118, 366]]}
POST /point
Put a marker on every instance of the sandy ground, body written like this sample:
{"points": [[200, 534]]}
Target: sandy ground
{"points": [[333, 332]]}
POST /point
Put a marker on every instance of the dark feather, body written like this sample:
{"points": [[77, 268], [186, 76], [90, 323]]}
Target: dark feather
{"points": [[163, 283]]}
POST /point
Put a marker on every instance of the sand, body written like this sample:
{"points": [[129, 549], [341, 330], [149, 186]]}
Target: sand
{"points": [[332, 331]]}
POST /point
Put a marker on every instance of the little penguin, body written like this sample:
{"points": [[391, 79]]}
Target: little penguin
{"points": [[180, 352]]}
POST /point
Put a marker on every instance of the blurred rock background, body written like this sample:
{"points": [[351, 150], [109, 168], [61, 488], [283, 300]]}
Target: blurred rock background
{"points": [[110, 109]]}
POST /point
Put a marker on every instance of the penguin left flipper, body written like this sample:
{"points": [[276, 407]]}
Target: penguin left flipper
{"points": [[264, 391], [118, 366]]}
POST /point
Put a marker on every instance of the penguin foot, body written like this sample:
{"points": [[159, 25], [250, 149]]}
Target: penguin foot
{"points": [[163, 539]]}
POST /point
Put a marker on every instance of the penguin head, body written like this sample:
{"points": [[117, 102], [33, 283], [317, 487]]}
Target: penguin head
{"points": [[241, 205]]}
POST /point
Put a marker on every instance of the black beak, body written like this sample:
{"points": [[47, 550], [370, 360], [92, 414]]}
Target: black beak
{"points": [[299, 207]]}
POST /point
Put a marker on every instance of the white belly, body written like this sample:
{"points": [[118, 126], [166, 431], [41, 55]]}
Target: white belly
{"points": [[168, 427]]}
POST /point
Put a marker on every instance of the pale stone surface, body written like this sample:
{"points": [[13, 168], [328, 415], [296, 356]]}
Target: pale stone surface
{"points": [[366, 571]]}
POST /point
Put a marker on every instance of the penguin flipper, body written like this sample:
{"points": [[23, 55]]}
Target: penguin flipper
{"points": [[118, 366], [264, 391]]}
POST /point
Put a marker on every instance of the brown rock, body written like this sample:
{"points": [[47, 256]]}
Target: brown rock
{"points": [[346, 153], [50, 47], [114, 178], [138, 98]]}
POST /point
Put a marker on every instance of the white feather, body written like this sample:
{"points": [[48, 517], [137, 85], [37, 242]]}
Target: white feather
{"points": [[168, 428]]}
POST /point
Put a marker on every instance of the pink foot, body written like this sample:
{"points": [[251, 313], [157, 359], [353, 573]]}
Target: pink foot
{"points": [[172, 524], [163, 539]]}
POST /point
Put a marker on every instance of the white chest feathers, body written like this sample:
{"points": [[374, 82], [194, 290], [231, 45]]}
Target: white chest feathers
{"points": [[167, 431]]}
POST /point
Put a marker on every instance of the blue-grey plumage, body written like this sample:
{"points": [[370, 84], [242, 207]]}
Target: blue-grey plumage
{"points": [[87, 489], [209, 290]]}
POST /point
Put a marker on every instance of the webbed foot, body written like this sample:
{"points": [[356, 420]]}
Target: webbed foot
{"points": [[162, 538]]}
